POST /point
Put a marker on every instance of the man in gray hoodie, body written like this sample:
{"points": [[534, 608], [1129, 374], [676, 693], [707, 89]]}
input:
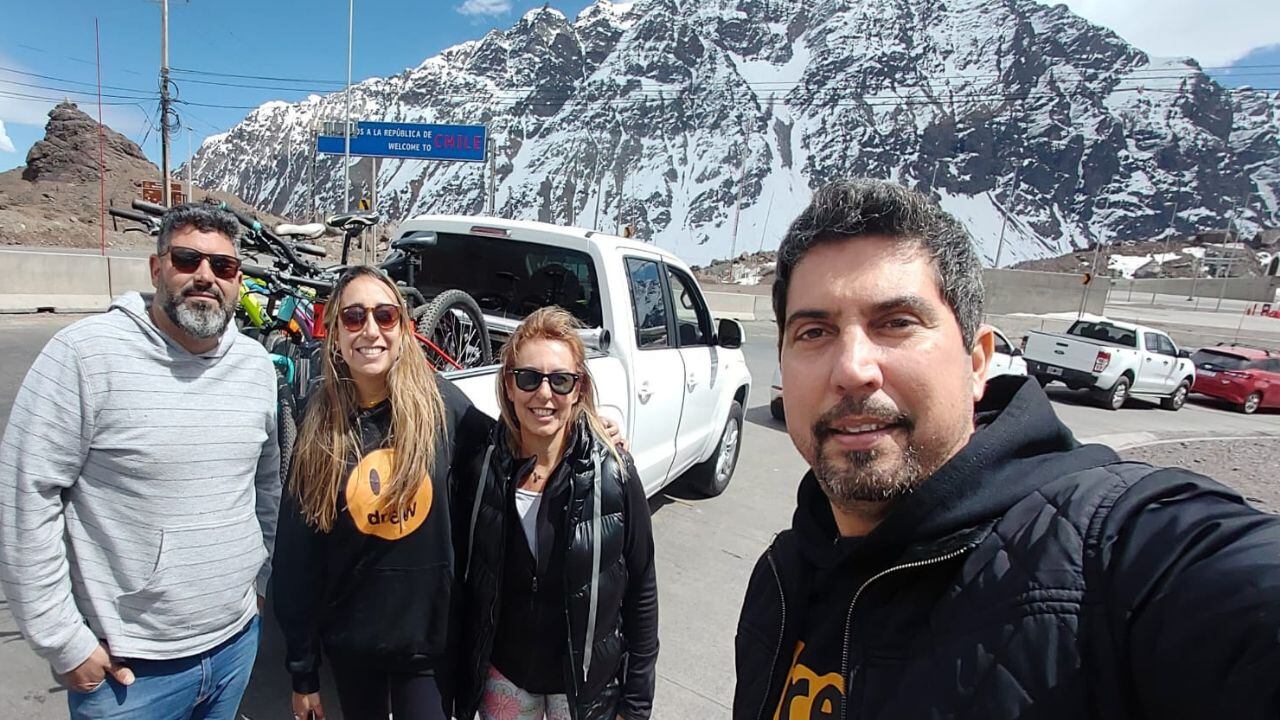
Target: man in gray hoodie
{"points": [[139, 488]]}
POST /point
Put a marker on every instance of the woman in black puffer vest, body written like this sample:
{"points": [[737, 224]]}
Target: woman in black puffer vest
{"points": [[562, 603]]}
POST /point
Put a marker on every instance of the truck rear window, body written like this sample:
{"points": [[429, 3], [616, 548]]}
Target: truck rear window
{"points": [[510, 278], [1104, 332]]}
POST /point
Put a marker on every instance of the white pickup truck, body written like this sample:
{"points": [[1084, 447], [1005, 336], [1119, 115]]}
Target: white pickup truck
{"points": [[1114, 359], [675, 381]]}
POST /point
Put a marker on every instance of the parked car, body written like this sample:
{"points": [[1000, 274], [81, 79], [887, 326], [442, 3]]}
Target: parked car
{"points": [[675, 381], [1006, 360], [1114, 360], [1245, 376]]}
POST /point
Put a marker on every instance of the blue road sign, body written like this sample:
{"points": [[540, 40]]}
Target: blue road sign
{"points": [[415, 141]]}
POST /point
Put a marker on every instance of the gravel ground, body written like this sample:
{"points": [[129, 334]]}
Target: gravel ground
{"points": [[1252, 467]]}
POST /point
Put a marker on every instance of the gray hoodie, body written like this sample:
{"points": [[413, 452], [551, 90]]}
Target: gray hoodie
{"points": [[139, 488]]}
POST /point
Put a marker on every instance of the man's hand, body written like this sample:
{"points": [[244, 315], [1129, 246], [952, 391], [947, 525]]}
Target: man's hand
{"points": [[613, 433], [91, 673], [307, 707]]}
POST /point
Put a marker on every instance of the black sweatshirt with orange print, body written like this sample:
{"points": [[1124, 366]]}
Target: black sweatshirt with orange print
{"points": [[378, 588]]}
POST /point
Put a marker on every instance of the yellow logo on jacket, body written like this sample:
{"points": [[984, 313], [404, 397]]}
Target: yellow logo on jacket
{"points": [[809, 696], [367, 503]]}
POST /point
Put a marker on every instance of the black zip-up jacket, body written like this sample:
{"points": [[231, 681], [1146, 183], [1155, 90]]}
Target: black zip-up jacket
{"points": [[608, 671], [386, 601], [1029, 577]]}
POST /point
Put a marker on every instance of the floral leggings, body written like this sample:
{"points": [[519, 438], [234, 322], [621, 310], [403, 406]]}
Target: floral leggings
{"points": [[504, 701]]}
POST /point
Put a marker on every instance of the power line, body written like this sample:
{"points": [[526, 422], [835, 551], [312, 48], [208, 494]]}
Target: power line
{"points": [[67, 80], [73, 91], [25, 96]]}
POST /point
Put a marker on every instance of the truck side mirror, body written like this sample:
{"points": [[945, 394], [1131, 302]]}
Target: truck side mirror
{"points": [[1184, 353], [729, 333]]}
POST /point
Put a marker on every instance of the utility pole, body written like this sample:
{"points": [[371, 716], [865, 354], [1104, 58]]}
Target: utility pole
{"points": [[346, 132], [493, 174], [1005, 221], [1172, 219], [737, 210], [165, 193], [191, 195]]}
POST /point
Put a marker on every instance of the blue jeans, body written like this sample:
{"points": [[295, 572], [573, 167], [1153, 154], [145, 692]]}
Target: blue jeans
{"points": [[207, 686]]}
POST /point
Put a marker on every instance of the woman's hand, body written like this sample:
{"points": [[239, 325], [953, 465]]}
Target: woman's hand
{"points": [[613, 433], [307, 707]]}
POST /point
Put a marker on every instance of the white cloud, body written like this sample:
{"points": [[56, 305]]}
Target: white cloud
{"points": [[1214, 32], [485, 7], [6, 145]]}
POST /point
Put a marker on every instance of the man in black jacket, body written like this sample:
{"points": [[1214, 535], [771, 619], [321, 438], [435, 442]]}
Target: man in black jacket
{"points": [[955, 553]]}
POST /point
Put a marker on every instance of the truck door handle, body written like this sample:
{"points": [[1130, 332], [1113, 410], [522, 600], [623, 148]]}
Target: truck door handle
{"points": [[691, 382], [644, 393]]}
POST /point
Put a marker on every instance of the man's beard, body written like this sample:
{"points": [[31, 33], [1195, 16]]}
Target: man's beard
{"points": [[864, 475], [194, 317]]}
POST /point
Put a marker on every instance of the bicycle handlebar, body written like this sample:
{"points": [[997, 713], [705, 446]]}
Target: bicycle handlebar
{"points": [[309, 249], [255, 271], [131, 215], [149, 208]]}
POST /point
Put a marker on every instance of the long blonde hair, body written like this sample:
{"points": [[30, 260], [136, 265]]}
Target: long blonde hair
{"points": [[550, 323], [329, 439]]}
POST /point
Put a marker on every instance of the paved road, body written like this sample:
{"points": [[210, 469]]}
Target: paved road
{"points": [[705, 548]]}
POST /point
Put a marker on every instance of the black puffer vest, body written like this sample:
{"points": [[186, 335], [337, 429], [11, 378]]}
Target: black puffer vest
{"points": [[595, 572]]}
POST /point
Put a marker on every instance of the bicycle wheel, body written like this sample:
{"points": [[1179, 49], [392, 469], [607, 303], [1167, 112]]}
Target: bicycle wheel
{"points": [[452, 321], [286, 425]]}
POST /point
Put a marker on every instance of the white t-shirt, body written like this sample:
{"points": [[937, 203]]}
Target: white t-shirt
{"points": [[527, 503]]}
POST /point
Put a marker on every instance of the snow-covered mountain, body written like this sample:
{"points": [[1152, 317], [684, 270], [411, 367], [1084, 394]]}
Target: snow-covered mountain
{"points": [[675, 113]]}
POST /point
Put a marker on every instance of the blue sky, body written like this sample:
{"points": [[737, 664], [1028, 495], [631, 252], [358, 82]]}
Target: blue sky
{"points": [[299, 40], [305, 42]]}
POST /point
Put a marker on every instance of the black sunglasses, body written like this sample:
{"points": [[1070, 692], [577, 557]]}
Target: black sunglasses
{"points": [[385, 315], [186, 260], [562, 383]]}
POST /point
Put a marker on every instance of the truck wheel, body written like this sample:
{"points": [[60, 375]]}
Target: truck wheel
{"points": [[1114, 398], [1251, 404], [1178, 398], [711, 476], [777, 411]]}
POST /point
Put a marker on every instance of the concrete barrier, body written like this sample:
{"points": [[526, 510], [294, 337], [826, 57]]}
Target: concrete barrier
{"points": [[62, 282], [737, 306], [1252, 289], [129, 273], [67, 282], [1029, 291], [1008, 291]]}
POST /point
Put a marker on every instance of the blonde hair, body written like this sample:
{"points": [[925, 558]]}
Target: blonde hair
{"points": [[329, 439], [550, 323]]}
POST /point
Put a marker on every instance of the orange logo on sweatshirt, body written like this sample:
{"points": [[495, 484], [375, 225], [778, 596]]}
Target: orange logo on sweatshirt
{"points": [[808, 695], [367, 503]]}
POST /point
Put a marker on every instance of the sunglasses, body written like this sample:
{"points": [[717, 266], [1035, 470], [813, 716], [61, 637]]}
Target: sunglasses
{"points": [[186, 260], [562, 383], [385, 315]]}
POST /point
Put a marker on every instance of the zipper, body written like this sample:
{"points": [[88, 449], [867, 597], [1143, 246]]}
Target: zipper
{"points": [[848, 624], [782, 630]]}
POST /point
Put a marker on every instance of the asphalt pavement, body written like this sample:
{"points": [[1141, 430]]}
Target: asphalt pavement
{"points": [[705, 548]]}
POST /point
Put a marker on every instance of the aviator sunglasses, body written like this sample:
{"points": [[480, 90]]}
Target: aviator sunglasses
{"points": [[562, 383], [385, 315], [187, 260]]}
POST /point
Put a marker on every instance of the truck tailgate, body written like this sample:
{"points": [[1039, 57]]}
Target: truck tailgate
{"points": [[1062, 351]]}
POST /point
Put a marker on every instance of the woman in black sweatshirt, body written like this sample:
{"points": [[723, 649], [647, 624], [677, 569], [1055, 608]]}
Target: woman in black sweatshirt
{"points": [[562, 602], [364, 562]]}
